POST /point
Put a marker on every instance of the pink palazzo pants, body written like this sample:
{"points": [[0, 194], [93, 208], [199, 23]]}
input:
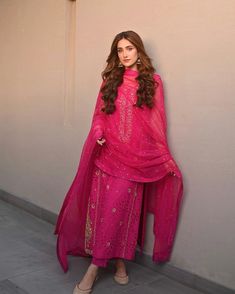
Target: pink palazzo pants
{"points": [[113, 216]]}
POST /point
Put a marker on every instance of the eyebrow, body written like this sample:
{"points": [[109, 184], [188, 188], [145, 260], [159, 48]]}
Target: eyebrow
{"points": [[125, 47]]}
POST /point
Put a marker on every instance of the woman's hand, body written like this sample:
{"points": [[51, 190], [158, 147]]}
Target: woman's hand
{"points": [[101, 141]]}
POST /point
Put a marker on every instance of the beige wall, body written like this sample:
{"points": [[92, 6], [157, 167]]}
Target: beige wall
{"points": [[43, 122]]}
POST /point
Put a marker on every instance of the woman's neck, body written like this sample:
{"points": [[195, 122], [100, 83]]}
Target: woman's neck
{"points": [[131, 72]]}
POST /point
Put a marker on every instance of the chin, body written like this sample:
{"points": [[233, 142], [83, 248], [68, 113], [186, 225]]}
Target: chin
{"points": [[132, 67]]}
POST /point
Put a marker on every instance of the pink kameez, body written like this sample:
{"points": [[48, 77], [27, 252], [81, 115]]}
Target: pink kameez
{"points": [[104, 212]]}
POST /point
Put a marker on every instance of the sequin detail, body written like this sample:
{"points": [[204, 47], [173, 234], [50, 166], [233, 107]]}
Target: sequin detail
{"points": [[126, 118], [92, 211], [112, 227]]}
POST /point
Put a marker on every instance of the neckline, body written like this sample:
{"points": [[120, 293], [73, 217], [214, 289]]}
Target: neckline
{"points": [[131, 72]]}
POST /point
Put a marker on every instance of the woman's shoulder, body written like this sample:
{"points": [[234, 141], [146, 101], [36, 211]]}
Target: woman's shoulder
{"points": [[157, 77]]}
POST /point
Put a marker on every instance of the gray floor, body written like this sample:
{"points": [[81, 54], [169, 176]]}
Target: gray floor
{"points": [[28, 263]]}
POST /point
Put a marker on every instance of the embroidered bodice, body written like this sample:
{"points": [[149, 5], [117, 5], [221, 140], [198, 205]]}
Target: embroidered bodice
{"points": [[128, 135]]}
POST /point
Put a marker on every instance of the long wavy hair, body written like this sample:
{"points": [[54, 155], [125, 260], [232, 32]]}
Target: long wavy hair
{"points": [[113, 74]]}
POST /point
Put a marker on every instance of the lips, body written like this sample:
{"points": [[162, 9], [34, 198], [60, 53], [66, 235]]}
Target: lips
{"points": [[126, 60]]}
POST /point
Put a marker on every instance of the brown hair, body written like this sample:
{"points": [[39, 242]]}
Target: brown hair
{"points": [[113, 74]]}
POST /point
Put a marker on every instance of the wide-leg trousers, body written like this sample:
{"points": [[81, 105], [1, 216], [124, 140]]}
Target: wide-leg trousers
{"points": [[113, 216]]}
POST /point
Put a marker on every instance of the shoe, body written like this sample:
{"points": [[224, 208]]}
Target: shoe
{"points": [[121, 280], [77, 290]]}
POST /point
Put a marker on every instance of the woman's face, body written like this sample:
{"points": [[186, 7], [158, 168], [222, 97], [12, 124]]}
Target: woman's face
{"points": [[127, 54]]}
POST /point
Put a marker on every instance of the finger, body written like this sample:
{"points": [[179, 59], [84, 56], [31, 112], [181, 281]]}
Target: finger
{"points": [[100, 142]]}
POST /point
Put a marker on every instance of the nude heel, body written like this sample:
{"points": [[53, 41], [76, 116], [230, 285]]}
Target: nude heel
{"points": [[121, 280], [77, 290]]}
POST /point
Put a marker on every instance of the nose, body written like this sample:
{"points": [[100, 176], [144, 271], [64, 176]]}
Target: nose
{"points": [[125, 53]]}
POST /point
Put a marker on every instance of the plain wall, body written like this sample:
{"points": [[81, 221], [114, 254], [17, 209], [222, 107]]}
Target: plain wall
{"points": [[51, 60]]}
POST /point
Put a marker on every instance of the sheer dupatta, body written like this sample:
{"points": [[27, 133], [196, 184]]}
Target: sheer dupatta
{"points": [[71, 221]]}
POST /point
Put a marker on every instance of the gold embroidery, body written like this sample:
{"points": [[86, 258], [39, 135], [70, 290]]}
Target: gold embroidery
{"points": [[129, 219], [126, 117], [97, 205], [88, 231], [88, 251]]}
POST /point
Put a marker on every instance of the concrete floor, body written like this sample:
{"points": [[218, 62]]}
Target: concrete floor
{"points": [[28, 263]]}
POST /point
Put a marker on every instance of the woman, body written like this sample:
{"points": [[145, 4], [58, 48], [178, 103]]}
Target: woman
{"points": [[125, 170]]}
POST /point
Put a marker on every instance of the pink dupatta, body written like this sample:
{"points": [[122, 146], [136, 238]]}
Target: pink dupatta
{"points": [[136, 149]]}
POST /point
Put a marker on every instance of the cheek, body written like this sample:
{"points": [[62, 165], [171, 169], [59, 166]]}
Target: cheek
{"points": [[135, 54]]}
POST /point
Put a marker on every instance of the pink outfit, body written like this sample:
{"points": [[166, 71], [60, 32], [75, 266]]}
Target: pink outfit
{"points": [[100, 262], [132, 174]]}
